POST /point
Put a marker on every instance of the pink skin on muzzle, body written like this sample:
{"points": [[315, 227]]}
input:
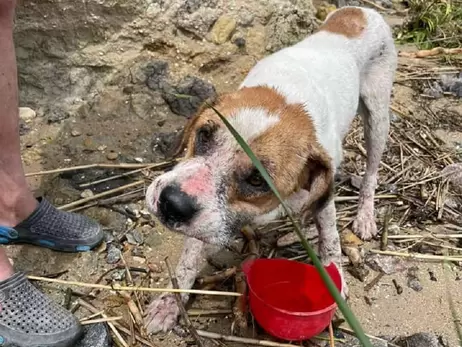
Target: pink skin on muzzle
{"points": [[199, 184]]}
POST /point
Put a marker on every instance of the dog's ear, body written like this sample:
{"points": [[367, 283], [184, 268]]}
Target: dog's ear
{"points": [[318, 179], [180, 143]]}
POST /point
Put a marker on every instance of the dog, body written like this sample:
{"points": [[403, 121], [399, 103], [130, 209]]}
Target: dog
{"points": [[294, 109]]}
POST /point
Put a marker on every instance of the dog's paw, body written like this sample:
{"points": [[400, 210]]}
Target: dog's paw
{"points": [[162, 314], [364, 225]]}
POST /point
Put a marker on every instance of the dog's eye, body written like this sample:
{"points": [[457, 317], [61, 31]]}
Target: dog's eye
{"points": [[255, 180], [204, 137]]}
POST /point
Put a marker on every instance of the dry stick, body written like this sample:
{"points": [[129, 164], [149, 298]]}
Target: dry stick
{"points": [[373, 282], [119, 199], [100, 195], [93, 315], [197, 312], [129, 173], [331, 335], [98, 166], [417, 256], [229, 338], [218, 277], [93, 309], [100, 320], [425, 181], [135, 308], [418, 236], [430, 52], [180, 304], [353, 198], [384, 237], [111, 325], [132, 289]]}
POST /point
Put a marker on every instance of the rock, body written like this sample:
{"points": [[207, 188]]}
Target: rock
{"points": [[75, 133], [23, 128], [139, 259], [112, 155], [420, 340], [435, 90], [239, 42], [113, 254], [186, 98], [289, 23], [26, 113], [354, 254], [196, 16], [164, 143], [57, 115], [324, 9], [356, 181], [95, 335], [222, 29], [348, 238], [360, 272], [413, 281], [87, 193], [385, 263], [454, 172], [452, 84], [156, 73], [135, 238]]}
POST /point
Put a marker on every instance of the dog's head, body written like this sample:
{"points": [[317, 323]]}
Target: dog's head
{"points": [[216, 189]]}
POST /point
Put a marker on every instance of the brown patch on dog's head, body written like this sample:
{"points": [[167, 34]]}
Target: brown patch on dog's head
{"points": [[289, 150], [349, 22]]}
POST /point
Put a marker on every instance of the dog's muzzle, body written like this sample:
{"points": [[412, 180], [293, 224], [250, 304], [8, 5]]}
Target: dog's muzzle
{"points": [[175, 206]]}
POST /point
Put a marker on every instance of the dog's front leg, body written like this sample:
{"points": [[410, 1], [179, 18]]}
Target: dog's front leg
{"points": [[163, 312], [329, 240]]}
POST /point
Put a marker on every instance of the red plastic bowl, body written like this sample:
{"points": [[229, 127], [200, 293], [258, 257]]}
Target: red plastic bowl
{"points": [[289, 299]]}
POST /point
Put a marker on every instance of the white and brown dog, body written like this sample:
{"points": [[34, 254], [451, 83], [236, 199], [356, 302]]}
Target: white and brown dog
{"points": [[294, 109]]}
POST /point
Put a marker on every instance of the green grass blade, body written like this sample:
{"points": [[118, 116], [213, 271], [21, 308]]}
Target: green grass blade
{"points": [[341, 303]]}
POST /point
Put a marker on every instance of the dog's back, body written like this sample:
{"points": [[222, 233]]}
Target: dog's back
{"points": [[325, 71]]}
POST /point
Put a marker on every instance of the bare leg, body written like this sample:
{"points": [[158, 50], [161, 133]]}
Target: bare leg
{"points": [[374, 108], [163, 312], [16, 201], [329, 240]]}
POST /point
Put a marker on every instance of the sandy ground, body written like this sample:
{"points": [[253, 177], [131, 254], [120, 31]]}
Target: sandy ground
{"points": [[50, 146]]}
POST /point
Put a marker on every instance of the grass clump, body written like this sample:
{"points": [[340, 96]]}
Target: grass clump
{"points": [[433, 23]]}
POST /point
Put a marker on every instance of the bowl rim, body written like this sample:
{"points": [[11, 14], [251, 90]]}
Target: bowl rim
{"points": [[295, 313]]}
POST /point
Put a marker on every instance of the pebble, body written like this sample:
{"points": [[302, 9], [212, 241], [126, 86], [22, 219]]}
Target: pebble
{"points": [[139, 260], [87, 193], [420, 340], [95, 335], [113, 254], [222, 29], [385, 263], [112, 155], [26, 113], [75, 133], [135, 238], [413, 281]]}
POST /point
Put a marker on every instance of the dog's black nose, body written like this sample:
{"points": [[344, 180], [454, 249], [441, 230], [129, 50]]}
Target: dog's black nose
{"points": [[176, 206]]}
